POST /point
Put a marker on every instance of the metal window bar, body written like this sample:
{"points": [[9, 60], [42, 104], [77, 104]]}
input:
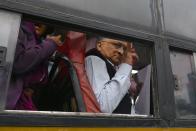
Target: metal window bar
{"points": [[74, 78]]}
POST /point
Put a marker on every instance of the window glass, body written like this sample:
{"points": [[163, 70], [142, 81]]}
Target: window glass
{"points": [[179, 16], [57, 69], [135, 12], [8, 36], [183, 69]]}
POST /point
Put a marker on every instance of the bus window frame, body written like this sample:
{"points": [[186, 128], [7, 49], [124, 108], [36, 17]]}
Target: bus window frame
{"points": [[38, 118], [162, 76], [187, 46]]}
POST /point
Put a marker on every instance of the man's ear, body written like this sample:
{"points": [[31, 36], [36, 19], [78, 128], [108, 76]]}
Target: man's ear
{"points": [[99, 46]]}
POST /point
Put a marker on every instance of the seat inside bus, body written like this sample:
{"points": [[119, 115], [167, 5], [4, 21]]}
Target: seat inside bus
{"points": [[68, 88]]}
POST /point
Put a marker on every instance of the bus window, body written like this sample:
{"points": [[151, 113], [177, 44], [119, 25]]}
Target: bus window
{"points": [[183, 68], [54, 67]]}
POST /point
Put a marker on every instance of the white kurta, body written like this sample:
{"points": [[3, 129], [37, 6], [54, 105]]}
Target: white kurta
{"points": [[108, 92]]}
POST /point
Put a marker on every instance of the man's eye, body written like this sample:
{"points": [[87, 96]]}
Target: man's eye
{"points": [[117, 46]]}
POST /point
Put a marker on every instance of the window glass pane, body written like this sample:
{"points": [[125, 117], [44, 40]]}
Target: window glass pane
{"points": [[179, 16], [51, 60], [8, 36], [129, 11], [122, 13], [183, 69]]}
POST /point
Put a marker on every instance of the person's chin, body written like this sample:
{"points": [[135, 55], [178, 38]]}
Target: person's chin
{"points": [[117, 62]]}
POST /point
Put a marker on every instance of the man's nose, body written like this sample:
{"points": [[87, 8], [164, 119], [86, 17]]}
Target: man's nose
{"points": [[121, 50]]}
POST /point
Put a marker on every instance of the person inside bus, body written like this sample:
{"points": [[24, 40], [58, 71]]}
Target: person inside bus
{"points": [[30, 64], [108, 67]]}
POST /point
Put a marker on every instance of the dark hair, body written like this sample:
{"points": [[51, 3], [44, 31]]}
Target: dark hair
{"points": [[49, 30], [99, 38]]}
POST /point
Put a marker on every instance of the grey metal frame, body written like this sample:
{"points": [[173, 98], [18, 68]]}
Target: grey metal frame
{"points": [[8, 45]]}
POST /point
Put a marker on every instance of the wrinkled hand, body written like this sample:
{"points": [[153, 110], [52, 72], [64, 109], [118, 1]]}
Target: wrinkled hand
{"points": [[130, 56], [56, 39]]}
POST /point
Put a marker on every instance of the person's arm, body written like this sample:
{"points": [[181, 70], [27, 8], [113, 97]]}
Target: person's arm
{"points": [[108, 92], [29, 54]]}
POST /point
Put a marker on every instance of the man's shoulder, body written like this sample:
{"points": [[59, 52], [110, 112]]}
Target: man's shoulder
{"points": [[93, 58], [95, 52]]}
